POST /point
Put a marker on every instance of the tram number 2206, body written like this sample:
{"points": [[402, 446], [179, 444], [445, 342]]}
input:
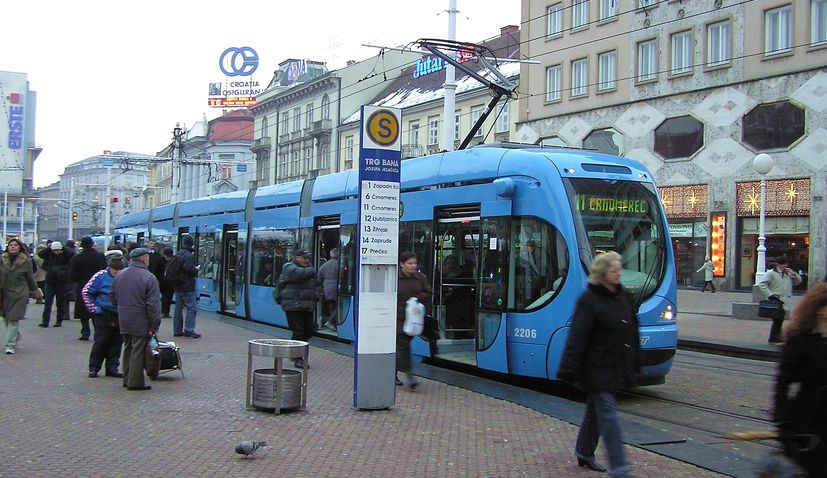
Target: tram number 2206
{"points": [[525, 333]]}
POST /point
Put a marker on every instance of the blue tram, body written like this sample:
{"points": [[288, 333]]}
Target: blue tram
{"points": [[504, 233]]}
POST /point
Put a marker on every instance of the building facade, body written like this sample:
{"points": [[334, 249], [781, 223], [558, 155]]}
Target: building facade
{"points": [[80, 196], [694, 90], [18, 152], [214, 157]]}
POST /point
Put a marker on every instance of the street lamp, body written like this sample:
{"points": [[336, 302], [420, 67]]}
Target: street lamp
{"points": [[762, 163]]}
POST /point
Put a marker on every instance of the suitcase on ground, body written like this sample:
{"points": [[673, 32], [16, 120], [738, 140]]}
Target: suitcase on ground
{"points": [[167, 359]]}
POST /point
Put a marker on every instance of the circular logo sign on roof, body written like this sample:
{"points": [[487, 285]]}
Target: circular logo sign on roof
{"points": [[382, 127], [238, 61]]}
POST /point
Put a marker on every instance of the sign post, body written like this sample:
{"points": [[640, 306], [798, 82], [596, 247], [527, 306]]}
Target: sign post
{"points": [[380, 158]]}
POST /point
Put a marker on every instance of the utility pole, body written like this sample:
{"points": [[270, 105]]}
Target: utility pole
{"points": [[177, 142], [450, 85], [71, 207], [5, 213], [107, 163], [22, 216]]}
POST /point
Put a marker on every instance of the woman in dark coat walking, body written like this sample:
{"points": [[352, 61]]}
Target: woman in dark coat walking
{"points": [[804, 367], [412, 283], [16, 285], [601, 357]]}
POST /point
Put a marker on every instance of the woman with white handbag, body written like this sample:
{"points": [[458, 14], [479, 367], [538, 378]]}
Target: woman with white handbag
{"points": [[412, 284]]}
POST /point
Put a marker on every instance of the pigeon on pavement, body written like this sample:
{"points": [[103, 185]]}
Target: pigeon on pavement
{"points": [[248, 447]]}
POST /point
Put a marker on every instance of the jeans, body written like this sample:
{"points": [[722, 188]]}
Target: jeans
{"points": [[601, 420], [56, 291], [12, 334], [184, 299], [107, 346]]}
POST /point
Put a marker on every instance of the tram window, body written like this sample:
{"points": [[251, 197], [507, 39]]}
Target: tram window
{"points": [[538, 263], [494, 265], [205, 255], [271, 250], [416, 237], [347, 259]]}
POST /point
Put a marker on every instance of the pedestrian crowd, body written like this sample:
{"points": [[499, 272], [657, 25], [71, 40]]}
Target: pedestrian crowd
{"points": [[120, 297]]}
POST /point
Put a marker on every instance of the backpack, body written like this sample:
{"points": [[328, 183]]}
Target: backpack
{"points": [[172, 272], [277, 290]]}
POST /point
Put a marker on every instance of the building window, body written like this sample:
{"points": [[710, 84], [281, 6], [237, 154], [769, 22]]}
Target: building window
{"points": [[285, 122], [607, 70], [818, 12], [773, 126], [608, 9], [413, 133], [325, 107], [553, 141], [503, 121], [433, 130], [457, 127], [349, 147], [553, 76], [295, 168], [308, 159], [778, 30], [297, 119], [226, 171], [682, 52], [679, 137], [579, 14], [718, 44], [608, 141], [555, 20], [579, 77], [476, 113], [308, 113], [647, 60]]}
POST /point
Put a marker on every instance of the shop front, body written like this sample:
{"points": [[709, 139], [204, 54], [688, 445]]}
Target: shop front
{"points": [[786, 227], [687, 210]]}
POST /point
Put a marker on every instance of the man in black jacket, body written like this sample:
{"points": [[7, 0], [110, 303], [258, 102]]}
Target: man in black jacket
{"points": [[81, 268], [184, 285], [56, 264], [298, 297]]}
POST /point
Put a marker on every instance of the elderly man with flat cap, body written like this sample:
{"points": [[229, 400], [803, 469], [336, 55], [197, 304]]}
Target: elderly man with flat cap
{"points": [[299, 293], [136, 295]]}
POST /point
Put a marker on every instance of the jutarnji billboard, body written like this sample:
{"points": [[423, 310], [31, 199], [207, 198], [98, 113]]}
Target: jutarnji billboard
{"points": [[13, 145], [239, 88]]}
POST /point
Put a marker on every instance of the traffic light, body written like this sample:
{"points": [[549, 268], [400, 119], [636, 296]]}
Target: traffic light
{"points": [[74, 216]]}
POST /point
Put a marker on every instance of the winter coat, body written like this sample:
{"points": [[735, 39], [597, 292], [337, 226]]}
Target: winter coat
{"points": [[96, 292], [329, 278], [415, 285], [804, 367], [56, 266], [137, 297], [603, 349], [16, 283], [186, 271], [299, 287], [157, 265], [709, 270], [779, 284], [40, 273], [84, 265]]}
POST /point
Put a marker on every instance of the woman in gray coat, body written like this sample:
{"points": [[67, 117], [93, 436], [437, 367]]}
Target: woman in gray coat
{"points": [[16, 285]]}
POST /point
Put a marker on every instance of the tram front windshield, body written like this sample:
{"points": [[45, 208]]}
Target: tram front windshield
{"points": [[621, 216]]}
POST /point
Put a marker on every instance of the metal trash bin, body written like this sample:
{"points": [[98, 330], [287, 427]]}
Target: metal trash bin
{"points": [[277, 388]]}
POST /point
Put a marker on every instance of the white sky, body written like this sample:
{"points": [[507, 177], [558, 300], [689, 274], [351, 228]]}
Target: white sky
{"points": [[113, 75]]}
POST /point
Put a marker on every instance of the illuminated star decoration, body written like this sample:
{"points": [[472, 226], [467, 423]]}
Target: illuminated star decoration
{"points": [[753, 201], [693, 200], [791, 193]]}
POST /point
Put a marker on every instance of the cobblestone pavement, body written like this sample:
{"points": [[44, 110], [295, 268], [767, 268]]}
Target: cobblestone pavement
{"points": [[58, 422]]}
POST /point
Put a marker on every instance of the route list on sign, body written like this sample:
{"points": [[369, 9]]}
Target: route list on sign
{"points": [[379, 222]]}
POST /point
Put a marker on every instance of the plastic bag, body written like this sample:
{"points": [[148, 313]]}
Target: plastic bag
{"points": [[414, 318]]}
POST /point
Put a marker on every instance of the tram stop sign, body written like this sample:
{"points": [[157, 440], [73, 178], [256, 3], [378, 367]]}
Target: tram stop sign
{"points": [[380, 161]]}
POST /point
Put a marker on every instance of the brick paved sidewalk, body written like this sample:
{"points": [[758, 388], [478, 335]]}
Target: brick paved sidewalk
{"points": [[58, 422]]}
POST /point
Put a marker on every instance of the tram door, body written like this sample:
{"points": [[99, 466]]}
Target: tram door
{"points": [[326, 230], [457, 255], [229, 276]]}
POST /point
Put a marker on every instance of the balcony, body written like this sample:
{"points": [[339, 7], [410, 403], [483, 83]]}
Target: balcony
{"points": [[412, 151], [321, 128], [261, 144]]}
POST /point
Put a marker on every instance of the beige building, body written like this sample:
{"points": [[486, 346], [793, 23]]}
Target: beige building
{"points": [[694, 90], [421, 99]]}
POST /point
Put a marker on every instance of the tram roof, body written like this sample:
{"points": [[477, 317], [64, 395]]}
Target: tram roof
{"points": [[219, 203], [133, 219], [282, 194], [163, 213]]}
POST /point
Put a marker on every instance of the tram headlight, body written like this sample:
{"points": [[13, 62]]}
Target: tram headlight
{"points": [[668, 313]]}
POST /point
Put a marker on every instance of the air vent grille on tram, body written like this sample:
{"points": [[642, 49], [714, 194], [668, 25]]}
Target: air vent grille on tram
{"points": [[605, 168]]}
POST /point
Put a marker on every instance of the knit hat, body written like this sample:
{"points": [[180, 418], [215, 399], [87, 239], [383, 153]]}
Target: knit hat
{"points": [[87, 243], [56, 245]]}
